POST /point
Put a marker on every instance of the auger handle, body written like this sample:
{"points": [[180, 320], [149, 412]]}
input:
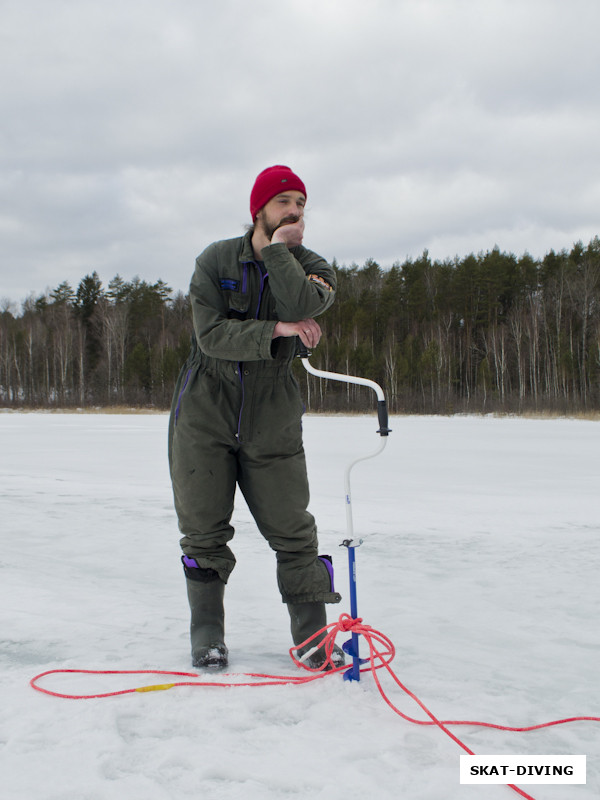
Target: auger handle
{"points": [[382, 412]]}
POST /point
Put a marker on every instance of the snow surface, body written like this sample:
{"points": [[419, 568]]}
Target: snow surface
{"points": [[480, 561]]}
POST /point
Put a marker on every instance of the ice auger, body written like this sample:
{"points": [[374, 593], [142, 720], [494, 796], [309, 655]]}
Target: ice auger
{"points": [[351, 647]]}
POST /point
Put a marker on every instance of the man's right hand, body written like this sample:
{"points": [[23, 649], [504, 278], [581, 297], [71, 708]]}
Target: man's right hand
{"points": [[290, 234]]}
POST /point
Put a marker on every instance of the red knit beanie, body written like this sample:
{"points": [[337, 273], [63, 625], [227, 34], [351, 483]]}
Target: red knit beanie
{"points": [[273, 181]]}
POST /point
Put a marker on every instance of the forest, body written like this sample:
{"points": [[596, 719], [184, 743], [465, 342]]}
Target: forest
{"points": [[492, 332]]}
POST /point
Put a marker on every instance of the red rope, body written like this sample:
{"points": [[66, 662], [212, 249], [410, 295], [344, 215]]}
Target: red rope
{"points": [[269, 680], [381, 654]]}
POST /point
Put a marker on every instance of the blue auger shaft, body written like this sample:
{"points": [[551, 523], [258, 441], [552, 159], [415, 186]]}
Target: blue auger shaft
{"points": [[352, 647]]}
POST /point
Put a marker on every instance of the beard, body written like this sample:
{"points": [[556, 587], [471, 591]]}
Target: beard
{"points": [[269, 227]]}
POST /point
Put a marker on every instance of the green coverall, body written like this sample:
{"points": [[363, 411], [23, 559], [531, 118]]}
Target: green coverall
{"points": [[236, 414]]}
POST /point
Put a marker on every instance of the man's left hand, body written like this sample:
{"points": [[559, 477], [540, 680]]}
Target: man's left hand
{"points": [[307, 329]]}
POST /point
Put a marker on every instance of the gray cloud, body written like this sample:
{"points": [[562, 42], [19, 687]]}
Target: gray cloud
{"points": [[132, 131]]}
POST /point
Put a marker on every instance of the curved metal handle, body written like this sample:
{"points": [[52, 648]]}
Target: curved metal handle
{"points": [[382, 412]]}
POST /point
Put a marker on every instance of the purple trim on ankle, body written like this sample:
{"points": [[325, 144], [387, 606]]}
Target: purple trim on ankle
{"points": [[329, 566], [190, 562]]}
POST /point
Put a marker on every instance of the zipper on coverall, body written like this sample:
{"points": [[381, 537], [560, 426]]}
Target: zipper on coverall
{"points": [[263, 276]]}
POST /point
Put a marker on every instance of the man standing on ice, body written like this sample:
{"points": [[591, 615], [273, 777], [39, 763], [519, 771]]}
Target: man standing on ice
{"points": [[236, 415]]}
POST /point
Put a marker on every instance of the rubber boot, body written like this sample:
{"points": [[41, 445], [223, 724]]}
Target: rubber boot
{"points": [[306, 619], [205, 591]]}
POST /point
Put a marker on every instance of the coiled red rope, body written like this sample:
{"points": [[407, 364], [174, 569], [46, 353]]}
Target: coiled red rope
{"points": [[381, 654]]}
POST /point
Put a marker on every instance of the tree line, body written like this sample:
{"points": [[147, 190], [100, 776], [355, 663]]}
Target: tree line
{"points": [[487, 332]]}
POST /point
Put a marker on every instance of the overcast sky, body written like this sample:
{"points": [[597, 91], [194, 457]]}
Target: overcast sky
{"points": [[131, 131]]}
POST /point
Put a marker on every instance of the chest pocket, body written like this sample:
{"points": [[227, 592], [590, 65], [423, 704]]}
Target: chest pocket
{"points": [[237, 302]]}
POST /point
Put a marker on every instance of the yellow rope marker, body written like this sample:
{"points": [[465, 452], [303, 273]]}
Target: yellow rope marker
{"points": [[157, 687]]}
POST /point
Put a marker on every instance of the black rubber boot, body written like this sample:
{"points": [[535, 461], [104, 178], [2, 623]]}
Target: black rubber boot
{"points": [[306, 619], [205, 592]]}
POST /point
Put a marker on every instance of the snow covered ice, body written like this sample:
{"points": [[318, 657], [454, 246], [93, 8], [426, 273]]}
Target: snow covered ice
{"points": [[480, 561]]}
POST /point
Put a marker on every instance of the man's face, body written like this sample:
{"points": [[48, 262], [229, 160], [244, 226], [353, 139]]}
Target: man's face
{"points": [[283, 209]]}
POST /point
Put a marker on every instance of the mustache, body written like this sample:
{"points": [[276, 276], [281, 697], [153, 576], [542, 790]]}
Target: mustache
{"points": [[289, 220]]}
